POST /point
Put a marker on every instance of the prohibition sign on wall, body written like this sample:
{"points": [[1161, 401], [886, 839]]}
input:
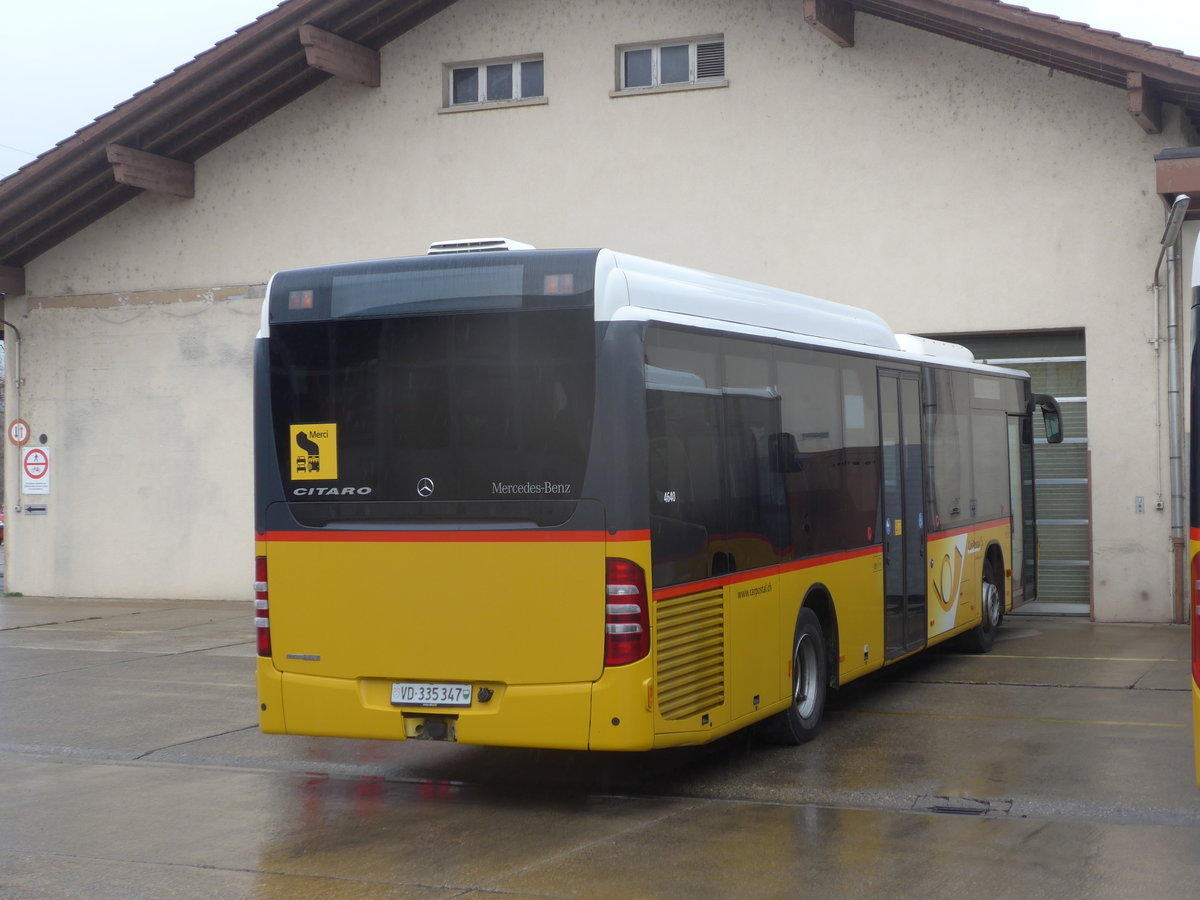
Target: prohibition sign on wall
{"points": [[18, 432], [35, 470]]}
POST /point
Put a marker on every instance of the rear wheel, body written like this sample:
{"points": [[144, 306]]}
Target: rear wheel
{"points": [[991, 598], [798, 723]]}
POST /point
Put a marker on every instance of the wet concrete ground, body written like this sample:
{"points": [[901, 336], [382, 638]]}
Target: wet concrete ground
{"points": [[1060, 765]]}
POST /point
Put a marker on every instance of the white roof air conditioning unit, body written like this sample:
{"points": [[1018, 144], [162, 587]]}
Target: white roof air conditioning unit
{"points": [[476, 245]]}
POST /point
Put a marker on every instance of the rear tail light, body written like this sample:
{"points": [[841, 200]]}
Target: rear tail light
{"points": [[626, 613], [262, 615]]}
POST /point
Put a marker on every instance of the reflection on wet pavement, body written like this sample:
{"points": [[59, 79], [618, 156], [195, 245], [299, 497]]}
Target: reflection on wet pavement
{"points": [[131, 766]]}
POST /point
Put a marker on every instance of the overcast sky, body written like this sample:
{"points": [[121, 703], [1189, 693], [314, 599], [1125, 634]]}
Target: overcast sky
{"points": [[67, 62]]}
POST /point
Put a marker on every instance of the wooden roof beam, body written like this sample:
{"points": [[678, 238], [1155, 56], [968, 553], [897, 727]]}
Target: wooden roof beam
{"points": [[1145, 102], [832, 18], [340, 57], [152, 172], [1177, 171], [12, 281]]}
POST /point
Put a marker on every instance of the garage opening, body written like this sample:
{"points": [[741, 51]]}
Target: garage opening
{"points": [[1057, 365]]}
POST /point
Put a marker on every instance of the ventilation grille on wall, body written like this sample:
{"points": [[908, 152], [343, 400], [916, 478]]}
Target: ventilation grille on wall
{"points": [[710, 60]]}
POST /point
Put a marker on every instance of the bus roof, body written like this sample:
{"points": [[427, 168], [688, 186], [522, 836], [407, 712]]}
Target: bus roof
{"points": [[626, 284], [664, 287]]}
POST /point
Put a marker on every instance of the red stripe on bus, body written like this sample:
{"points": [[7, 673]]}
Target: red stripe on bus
{"points": [[710, 584], [967, 529], [813, 562], [643, 535], [449, 537]]}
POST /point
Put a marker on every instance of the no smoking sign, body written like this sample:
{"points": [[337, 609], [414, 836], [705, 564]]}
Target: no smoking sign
{"points": [[35, 470]]}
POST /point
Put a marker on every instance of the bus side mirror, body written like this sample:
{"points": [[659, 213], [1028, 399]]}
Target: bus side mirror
{"points": [[1051, 417], [1053, 422]]}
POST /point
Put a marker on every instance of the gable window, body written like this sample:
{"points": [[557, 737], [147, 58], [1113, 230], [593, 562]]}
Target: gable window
{"points": [[495, 81], [671, 64]]}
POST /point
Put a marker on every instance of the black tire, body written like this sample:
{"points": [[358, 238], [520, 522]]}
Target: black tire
{"points": [[798, 723], [991, 600]]}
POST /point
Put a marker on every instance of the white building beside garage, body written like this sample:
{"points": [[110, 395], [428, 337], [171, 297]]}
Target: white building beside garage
{"points": [[965, 168]]}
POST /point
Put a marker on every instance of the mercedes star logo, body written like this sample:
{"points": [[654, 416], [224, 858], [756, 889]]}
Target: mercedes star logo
{"points": [[425, 487]]}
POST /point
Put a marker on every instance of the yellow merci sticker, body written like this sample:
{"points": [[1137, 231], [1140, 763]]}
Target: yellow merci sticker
{"points": [[314, 452]]}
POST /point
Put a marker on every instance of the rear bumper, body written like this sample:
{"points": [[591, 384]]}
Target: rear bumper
{"points": [[578, 716]]}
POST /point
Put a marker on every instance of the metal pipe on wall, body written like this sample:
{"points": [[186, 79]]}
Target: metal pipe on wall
{"points": [[1171, 244]]}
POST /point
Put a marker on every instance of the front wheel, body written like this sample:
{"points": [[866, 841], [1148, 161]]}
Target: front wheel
{"points": [[991, 598], [798, 723]]}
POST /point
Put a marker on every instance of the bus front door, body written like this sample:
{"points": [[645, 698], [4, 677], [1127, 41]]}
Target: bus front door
{"points": [[903, 513]]}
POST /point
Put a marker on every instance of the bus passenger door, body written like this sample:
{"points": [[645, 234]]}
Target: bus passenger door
{"points": [[1021, 501], [903, 513]]}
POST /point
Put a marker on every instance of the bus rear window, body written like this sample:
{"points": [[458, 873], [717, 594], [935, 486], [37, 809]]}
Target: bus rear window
{"points": [[478, 407], [432, 285], [427, 290]]}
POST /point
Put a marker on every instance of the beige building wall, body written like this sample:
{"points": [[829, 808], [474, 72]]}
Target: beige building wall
{"points": [[943, 186], [144, 403]]}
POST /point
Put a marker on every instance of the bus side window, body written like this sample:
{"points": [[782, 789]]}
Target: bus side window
{"points": [[829, 411], [686, 504], [859, 459], [756, 502], [948, 443]]}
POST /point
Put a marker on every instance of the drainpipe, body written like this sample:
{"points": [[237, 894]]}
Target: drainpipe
{"points": [[12, 364], [12, 361], [1171, 246]]}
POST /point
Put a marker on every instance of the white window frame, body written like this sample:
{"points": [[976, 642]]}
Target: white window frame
{"points": [[481, 67], [656, 84]]}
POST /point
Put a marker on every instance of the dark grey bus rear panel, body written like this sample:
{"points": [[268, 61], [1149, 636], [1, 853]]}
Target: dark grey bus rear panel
{"points": [[458, 389]]}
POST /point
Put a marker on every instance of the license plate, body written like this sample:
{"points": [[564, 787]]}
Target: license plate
{"points": [[421, 693]]}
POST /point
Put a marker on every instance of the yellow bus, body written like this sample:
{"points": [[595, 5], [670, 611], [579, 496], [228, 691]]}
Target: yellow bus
{"points": [[578, 499]]}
